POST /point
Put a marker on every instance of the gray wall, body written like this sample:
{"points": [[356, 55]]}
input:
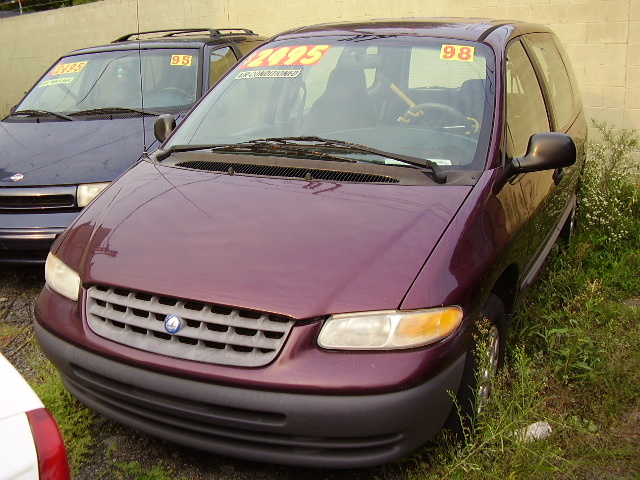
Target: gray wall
{"points": [[601, 36]]}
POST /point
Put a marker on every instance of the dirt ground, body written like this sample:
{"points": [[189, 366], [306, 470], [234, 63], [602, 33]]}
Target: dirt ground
{"points": [[19, 288]]}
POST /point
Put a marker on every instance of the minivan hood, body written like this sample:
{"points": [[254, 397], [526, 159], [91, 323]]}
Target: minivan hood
{"points": [[292, 247], [69, 153]]}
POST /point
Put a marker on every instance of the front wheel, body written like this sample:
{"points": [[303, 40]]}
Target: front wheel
{"points": [[484, 358]]}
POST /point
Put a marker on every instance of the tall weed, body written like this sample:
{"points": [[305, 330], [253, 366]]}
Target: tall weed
{"points": [[609, 199], [498, 447]]}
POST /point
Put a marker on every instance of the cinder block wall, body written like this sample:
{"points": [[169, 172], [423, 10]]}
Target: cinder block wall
{"points": [[601, 36]]}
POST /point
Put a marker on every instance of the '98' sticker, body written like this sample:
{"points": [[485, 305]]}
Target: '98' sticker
{"points": [[462, 53]]}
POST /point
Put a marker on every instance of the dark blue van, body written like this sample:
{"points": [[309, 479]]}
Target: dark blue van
{"points": [[90, 116]]}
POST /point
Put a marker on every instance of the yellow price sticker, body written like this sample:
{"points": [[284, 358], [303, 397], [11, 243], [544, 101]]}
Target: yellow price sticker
{"points": [[461, 53], [181, 60], [73, 67], [303, 55]]}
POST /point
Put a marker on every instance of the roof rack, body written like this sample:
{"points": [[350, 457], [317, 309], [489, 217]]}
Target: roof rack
{"points": [[212, 32]]}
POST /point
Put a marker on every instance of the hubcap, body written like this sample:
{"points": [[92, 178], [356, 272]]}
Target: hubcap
{"points": [[488, 366]]}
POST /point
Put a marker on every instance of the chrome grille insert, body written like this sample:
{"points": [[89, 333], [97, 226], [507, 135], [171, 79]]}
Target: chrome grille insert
{"points": [[211, 333]]}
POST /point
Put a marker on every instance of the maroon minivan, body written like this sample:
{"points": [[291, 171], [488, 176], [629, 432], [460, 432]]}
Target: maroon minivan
{"points": [[296, 275]]}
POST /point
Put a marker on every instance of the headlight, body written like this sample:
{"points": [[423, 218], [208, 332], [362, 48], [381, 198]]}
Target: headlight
{"points": [[389, 330], [61, 278], [88, 192]]}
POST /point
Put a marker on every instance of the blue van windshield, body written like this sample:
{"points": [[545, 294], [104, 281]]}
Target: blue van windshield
{"points": [[145, 79]]}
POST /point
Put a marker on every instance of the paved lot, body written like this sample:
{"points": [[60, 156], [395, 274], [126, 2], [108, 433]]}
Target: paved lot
{"points": [[19, 287]]}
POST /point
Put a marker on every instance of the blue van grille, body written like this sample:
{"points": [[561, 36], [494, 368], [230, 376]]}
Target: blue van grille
{"points": [[31, 202]]}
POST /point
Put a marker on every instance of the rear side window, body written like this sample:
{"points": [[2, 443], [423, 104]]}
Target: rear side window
{"points": [[221, 60], [556, 78], [526, 110], [247, 46]]}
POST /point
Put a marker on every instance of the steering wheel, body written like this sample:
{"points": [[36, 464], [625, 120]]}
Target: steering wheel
{"points": [[436, 115]]}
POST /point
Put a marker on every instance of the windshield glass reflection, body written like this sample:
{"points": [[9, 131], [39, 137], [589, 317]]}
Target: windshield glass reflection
{"points": [[149, 79], [412, 97]]}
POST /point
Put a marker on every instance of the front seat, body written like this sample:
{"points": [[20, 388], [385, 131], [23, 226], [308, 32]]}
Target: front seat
{"points": [[344, 105], [472, 98]]}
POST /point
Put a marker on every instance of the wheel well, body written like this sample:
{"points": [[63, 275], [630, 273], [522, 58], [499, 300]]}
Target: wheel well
{"points": [[506, 286]]}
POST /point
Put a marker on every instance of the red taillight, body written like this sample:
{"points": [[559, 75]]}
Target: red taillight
{"points": [[52, 457]]}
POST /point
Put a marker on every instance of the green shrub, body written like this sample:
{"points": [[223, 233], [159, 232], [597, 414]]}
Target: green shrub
{"points": [[609, 197]]}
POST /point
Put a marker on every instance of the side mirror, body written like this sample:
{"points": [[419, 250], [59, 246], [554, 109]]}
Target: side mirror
{"points": [[164, 125], [546, 151]]}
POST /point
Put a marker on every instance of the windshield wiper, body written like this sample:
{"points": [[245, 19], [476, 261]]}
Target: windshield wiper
{"points": [[267, 145], [41, 113], [109, 110], [319, 142], [307, 146]]}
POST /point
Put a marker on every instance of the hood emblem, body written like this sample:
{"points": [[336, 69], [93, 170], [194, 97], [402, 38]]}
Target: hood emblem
{"points": [[16, 177], [173, 324]]}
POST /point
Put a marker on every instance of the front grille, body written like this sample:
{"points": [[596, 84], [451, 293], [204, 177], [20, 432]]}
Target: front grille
{"points": [[33, 202], [308, 174], [211, 333]]}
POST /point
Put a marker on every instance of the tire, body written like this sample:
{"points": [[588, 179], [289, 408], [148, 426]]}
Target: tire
{"points": [[481, 366]]}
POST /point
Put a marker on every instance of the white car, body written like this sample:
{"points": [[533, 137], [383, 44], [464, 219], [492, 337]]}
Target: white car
{"points": [[31, 447]]}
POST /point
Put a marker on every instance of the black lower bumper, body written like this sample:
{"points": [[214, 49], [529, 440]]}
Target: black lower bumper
{"points": [[300, 429]]}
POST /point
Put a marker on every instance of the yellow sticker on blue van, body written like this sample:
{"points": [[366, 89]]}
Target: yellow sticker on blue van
{"points": [[73, 67], [181, 60]]}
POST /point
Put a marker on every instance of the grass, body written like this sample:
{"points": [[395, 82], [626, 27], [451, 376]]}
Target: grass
{"points": [[574, 360], [574, 356], [7, 332], [74, 420], [127, 470], [133, 470], [76, 424]]}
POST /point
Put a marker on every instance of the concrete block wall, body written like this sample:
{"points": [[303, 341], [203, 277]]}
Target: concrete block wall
{"points": [[602, 37]]}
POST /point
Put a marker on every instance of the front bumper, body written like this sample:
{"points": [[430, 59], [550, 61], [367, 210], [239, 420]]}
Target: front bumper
{"points": [[27, 237], [304, 429]]}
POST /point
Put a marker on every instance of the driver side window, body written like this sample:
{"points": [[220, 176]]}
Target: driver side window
{"points": [[526, 110]]}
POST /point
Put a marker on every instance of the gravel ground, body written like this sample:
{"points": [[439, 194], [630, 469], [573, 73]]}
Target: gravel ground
{"points": [[19, 287]]}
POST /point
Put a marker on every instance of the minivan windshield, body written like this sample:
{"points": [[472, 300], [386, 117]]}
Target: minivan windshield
{"points": [[418, 97], [164, 79]]}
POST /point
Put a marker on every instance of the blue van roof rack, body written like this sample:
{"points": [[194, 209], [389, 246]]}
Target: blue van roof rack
{"points": [[212, 32]]}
